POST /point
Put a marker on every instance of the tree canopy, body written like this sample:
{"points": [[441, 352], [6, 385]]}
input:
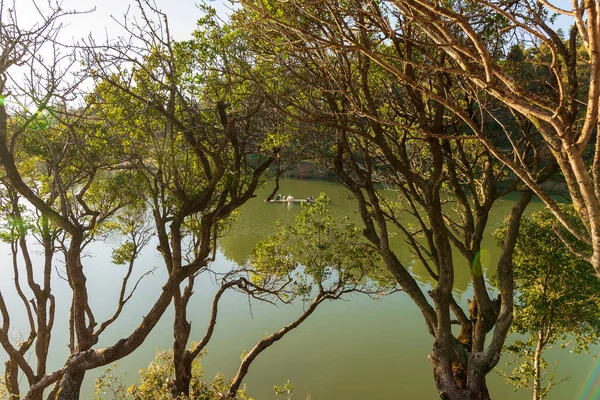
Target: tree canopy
{"points": [[428, 112]]}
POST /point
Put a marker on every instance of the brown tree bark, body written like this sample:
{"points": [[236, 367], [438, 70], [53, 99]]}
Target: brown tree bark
{"points": [[70, 385], [181, 334], [537, 370], [11, 379]]}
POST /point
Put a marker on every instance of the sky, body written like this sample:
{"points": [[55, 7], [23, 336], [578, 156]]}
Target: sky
{"points": [[99, 21], [182, 15], [97, 18]]}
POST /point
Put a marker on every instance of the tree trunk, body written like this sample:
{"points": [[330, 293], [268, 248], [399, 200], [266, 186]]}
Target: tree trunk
{"points": [[275, 189], [11, 378], [452, 383], [70, 385], [181, 360], [183, 374], [277, 176], [537, 368]]}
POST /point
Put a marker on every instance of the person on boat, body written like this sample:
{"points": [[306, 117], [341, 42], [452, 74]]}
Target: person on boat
{"points": [[278, 197], [289, 197]]}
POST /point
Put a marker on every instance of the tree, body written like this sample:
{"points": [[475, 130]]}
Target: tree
{"points": [[80, 187], [385, 124], [205, 157], [565, 114], [155, 382], [54, 165], [14, 232], [557, 300], [19, 46]]}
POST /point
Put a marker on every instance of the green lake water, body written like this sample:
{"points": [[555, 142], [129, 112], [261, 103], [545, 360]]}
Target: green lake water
{"points": [[358, 349]]}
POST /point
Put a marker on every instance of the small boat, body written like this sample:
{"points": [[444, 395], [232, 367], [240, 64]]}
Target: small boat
{"points": [[291, 199]]}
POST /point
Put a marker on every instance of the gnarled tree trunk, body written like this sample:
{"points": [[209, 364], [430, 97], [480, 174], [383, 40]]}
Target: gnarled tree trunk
{"points": [[70, 386]]}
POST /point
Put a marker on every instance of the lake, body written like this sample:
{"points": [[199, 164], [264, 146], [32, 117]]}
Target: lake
{"points": [[347, 350]]}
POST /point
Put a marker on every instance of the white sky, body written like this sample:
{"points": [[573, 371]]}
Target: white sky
{"points": [[182, 15], [99, 22]]}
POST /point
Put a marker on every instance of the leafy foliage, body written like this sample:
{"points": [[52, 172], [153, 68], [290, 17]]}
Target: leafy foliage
{"points": [[557, 300], [320, 252], [287, 389], [156, 382]]}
